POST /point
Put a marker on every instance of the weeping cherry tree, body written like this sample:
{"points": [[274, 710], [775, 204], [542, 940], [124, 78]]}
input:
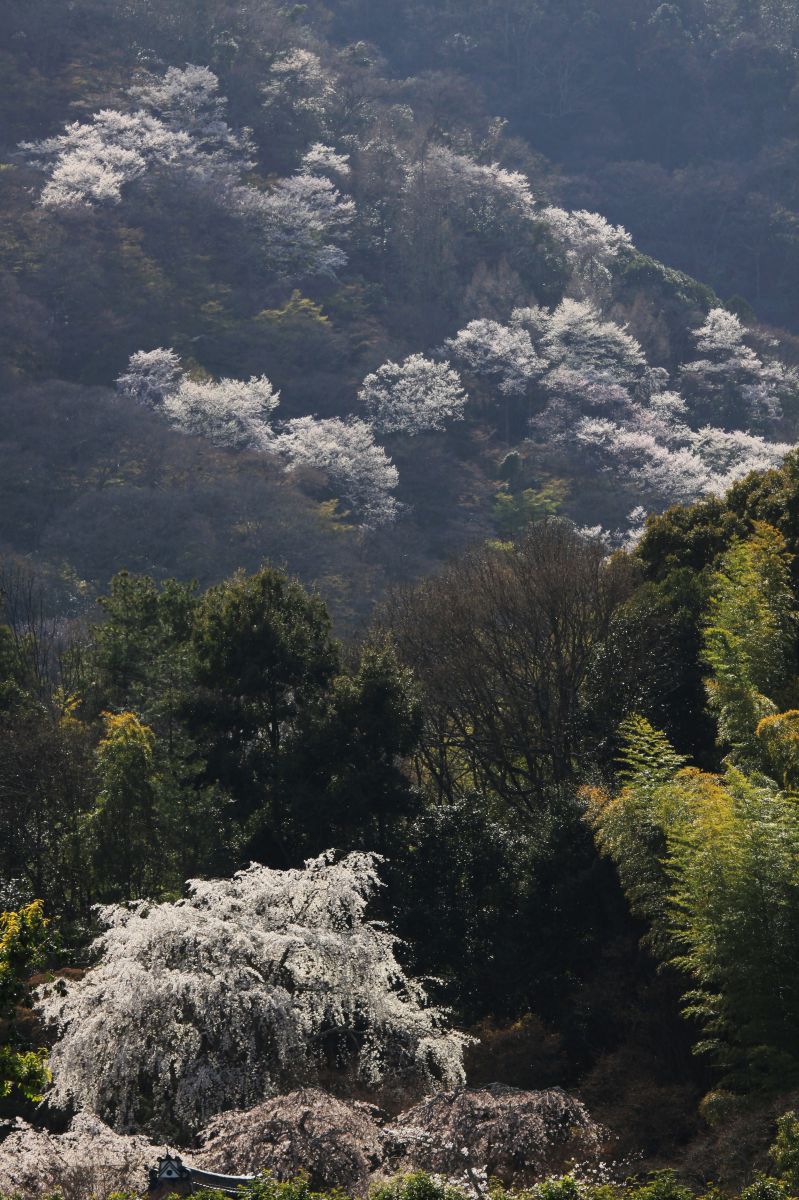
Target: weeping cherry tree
{"points": [[246, 989]]}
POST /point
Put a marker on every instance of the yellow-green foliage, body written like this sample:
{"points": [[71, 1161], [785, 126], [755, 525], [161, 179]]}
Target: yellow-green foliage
{"points": [[23, 935], [298, 310], [126, 751], [514, 511], [749, 636], [785, 1150], [779, 737], [124, 821], [713, 862], [629, 827]]}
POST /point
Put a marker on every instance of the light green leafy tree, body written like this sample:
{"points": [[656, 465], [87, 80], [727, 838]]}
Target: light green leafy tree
{"points": [[124, 822], [712, 862], [23, 936], [749, 638]]}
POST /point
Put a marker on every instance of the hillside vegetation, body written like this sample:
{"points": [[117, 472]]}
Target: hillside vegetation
{"points": [[399, 635], [282, 283]]}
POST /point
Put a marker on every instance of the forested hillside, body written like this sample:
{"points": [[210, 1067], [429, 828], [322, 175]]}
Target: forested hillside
{"points": [[324, 285], [678, 120], [399, 577]]}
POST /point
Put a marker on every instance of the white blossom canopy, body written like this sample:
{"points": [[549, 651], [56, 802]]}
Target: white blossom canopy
{"points": [[237, 414], [577, 336], [325, 160], [299, 223], [228, 412], [489, 193], [731, 380], [178, 133], [667, 461], [590, 244], [299, 84], [188, 99], [89, 164], [151, 375], [348, 454], [599, 398], [414, 396], [501, 353], [247, 988]]}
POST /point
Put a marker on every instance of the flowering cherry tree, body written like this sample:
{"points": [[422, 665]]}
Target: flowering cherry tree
{"points": [[228, 412], [507, 1134], [298, 89], [325, 160], [348, 454], [504, 355], [178, 133], [237, 413], [414, 396], [490, 195], [669, 462], [590, 243], [177, 130], [729, 383], [88, 1159], [248, 987], [188, 100], [487, 199], [151, 375], [576, 335], [90, 163], [298, 224], [598, 398]]}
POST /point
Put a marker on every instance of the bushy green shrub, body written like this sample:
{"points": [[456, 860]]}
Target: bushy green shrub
{"points": [[785, 1150], [663, 1185], [417, 1185], [558, 1187], [268, 1188], [766, 1187]]}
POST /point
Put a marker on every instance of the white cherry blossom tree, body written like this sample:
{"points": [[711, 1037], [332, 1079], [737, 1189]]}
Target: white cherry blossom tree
{"points": [[348, 454], [415, 396], [298, 224], [325, 160], [178, 134], [177, 131], [245, 989], [670, 464], [151, 375], [729, 384], [228, 412], [238, 414], [590, 243], [502, 354], [577, 336], [91, 163], [489, 192], [298, 87], [188, 100]]}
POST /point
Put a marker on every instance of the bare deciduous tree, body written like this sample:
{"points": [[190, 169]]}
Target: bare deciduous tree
{"points": [[501, 642]]}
